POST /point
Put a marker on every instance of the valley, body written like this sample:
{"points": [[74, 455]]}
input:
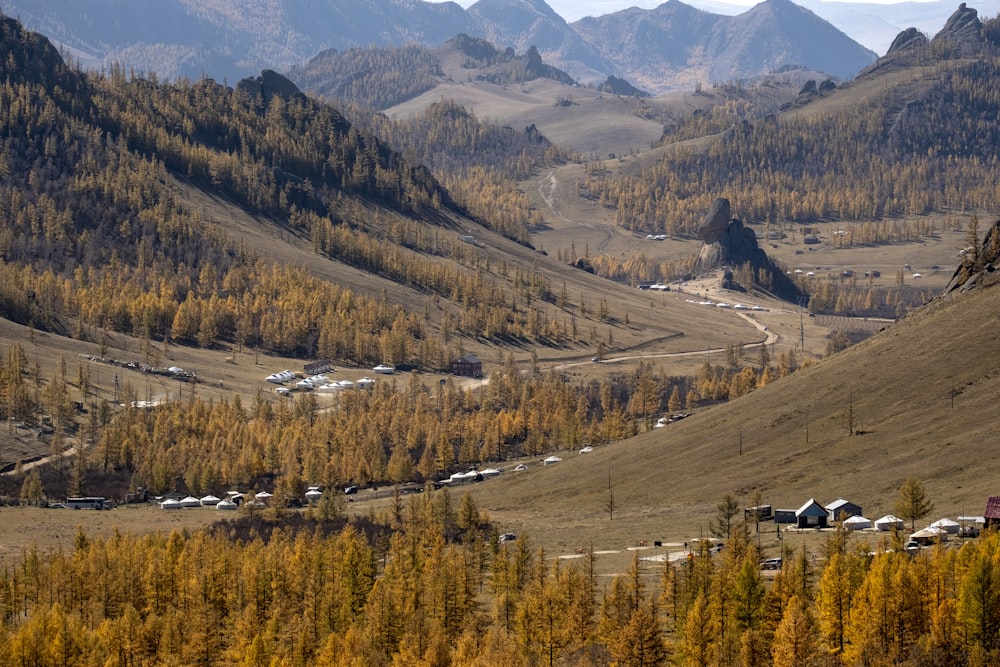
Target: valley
{"points": [[765, 293]]}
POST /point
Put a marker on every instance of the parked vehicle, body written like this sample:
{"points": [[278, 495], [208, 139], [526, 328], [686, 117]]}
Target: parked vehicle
{"points": [[771, 564]]}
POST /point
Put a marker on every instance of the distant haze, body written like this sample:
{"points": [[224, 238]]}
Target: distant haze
{"points": [[574, 10], [871, 23]]}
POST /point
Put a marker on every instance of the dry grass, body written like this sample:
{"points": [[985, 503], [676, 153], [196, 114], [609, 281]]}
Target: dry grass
{"points": [[788, 440]]}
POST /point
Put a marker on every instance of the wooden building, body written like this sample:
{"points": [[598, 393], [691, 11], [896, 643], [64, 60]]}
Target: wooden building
{"points": [[468, 365]]}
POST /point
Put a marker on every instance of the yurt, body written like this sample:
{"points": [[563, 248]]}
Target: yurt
{"points": [[313, 494], [857, 523], [209, 501], [170, 504], [947, 525], [190, 501], [888, 522], [226, 505]]}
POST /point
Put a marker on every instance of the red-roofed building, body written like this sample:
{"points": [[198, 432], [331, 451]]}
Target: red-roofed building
{"points": [[992, 513]]}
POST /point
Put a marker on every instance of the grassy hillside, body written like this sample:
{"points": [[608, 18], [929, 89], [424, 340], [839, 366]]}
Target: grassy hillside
{"points": [[921, 394]]}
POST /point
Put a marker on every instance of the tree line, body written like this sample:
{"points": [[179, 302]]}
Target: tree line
{"points": [[427, 583], [930, 157]]}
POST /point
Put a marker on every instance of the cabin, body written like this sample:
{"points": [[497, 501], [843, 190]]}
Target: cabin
{"points": [[758, 513], [468, 365], [991, 517], [811, 515], [318, 367], [841, 509], [784, 516]]}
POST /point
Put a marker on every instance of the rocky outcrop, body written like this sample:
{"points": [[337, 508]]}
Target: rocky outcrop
{"points": [[267, 85], [981, 268], [29, 54], [616, 86], [728, 242], [961, 37], [964, 30], [908, 40]]}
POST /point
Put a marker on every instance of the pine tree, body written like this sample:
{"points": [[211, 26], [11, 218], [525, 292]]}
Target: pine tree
{"points": [[794, 641], [912, 502]]}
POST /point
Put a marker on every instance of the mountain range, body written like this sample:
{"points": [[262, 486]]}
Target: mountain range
{"points": [[672, 46]]}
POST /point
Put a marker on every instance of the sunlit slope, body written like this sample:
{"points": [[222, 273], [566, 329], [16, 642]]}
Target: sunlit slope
{"points": [[923, 398]]}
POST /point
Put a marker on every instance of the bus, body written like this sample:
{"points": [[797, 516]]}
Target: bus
{"points": [[88, 503]]}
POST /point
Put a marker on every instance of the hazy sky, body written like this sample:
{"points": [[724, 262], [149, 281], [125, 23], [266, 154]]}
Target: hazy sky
{"points": [[573, 10]]}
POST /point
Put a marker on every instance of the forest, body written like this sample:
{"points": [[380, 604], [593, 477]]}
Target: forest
{"points": [[428, 583], [398, 432]]}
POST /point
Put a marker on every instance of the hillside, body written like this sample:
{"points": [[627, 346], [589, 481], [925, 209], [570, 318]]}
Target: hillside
{"points": [[254, 223], [921, 394]]}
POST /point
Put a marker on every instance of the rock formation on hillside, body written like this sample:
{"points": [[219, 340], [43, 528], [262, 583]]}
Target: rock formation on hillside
{"points": [[616, 86], [980, 266], [729, 243], [267, 85], [964, 31], [908, 40], [961, 37]]}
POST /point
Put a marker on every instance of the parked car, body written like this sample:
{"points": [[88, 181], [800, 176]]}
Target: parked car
{"points": [[771, 564], [351, 490]]}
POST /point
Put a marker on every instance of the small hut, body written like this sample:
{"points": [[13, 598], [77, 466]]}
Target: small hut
{"points": [[840, 509], [811, 515], [992, 513]]}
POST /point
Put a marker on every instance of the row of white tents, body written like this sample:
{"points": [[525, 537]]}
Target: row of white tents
{"points": [[230, 502], [889, 522]]}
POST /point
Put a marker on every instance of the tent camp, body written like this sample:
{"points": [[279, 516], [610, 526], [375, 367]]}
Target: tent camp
{"points": [[857, 523], [888, 523], [928, 535], [946, 525]]}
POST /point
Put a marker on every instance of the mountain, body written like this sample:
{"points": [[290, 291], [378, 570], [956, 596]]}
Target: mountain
{"points": [[525, 23], [673, 46], [230, 39], [676, 45]]}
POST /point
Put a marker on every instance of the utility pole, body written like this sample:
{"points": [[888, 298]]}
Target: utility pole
{"points": [[802, 331]]}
